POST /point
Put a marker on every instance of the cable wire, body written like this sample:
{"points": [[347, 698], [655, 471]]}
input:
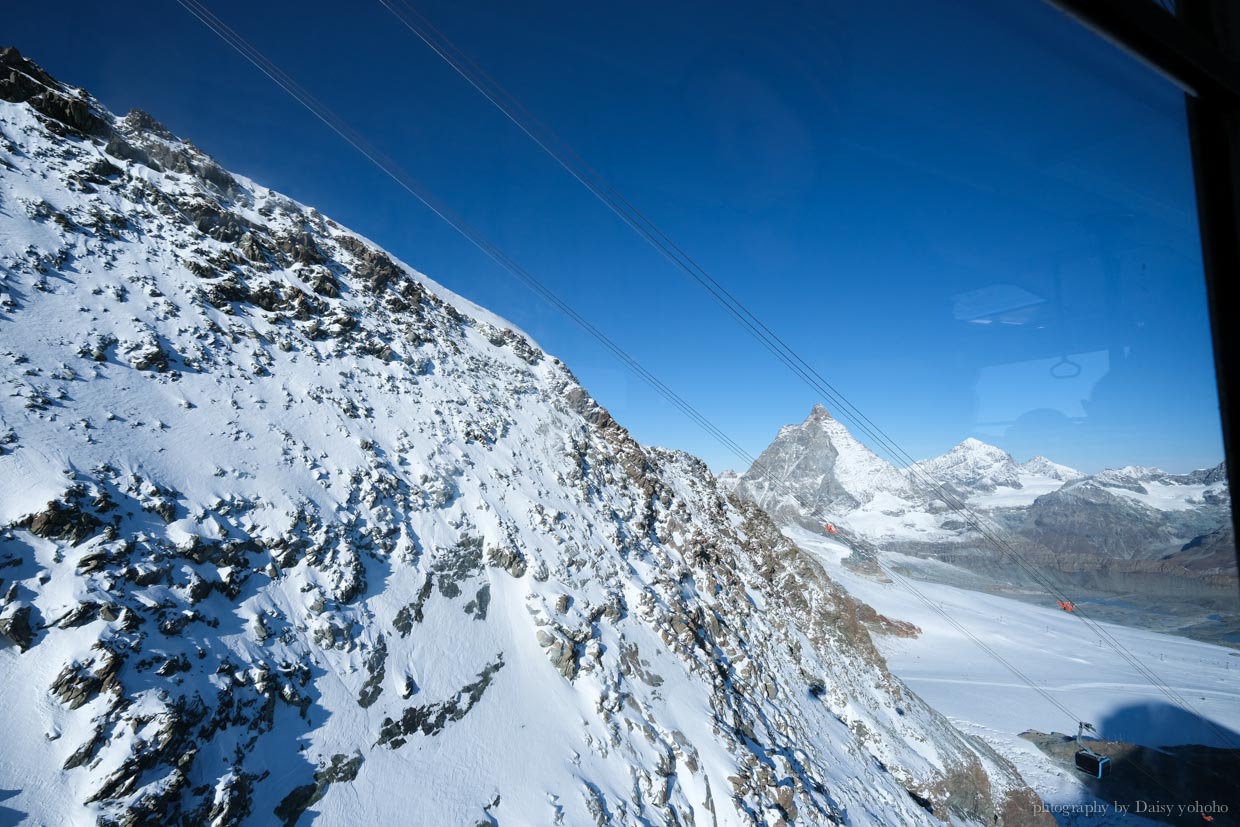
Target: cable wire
{"points": [[389, 167], [568, 159]]}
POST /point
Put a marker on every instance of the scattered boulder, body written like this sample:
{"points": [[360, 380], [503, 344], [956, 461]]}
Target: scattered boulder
{"points": [[15, 625], [64, 521], [371, 267], [560, 651], [508, 558]]}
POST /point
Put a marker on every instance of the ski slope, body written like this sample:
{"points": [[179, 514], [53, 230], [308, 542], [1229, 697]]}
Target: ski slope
{"points": [[1059, 652]]}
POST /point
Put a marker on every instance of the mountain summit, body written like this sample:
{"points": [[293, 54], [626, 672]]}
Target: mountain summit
{"points": [[1169, 534], [288, 532], [817, 469], [973, 465]]}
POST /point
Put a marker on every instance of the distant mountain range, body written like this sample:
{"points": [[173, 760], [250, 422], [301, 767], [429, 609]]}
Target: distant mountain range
{"points": [[973, 467], [1133, 528], [817, 470]]}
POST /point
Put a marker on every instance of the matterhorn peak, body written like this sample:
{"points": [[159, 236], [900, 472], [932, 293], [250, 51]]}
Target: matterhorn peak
{"points": [[818, 413], [808, 470]]}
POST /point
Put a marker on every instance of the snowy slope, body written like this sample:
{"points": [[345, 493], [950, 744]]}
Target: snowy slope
{"points": [[290, 533], [1162, 491], [1040, 466], [1057, 652]]}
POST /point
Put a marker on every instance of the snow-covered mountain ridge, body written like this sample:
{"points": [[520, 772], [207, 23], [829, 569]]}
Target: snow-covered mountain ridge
{"points": [[817, 466], [973, 467], [817, 470], [1141, 535], [291, 533]]}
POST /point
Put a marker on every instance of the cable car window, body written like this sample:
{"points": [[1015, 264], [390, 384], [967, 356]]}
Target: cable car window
{"points": [[334, 426]]}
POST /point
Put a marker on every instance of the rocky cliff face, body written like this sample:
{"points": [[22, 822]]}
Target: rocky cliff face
{"points": [[1120, 518], [292, 533], [818, 468]]}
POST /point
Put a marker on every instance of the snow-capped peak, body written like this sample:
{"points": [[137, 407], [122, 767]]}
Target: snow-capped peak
{"points": [[818, 412], [1040, 466], [817, 468], [975, 466]]}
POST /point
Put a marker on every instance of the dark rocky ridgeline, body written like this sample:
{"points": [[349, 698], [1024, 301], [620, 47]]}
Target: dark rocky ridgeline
{"points": [[72, 113], [311, 517], [1089, 519], [1090, 534], [66, 111]]}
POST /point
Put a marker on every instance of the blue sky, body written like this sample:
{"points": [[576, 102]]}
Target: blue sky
{"points": [[946, 215]]}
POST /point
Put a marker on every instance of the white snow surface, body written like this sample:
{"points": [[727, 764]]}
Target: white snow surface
{"points": [[980, 695], [1031, 487], [988, 477], [1040, 466], [329, 535], [1169, 496]]}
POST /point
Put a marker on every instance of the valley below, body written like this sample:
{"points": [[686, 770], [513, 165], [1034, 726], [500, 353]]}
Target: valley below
{"points": [[1049, 646], [1148, 594]]}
